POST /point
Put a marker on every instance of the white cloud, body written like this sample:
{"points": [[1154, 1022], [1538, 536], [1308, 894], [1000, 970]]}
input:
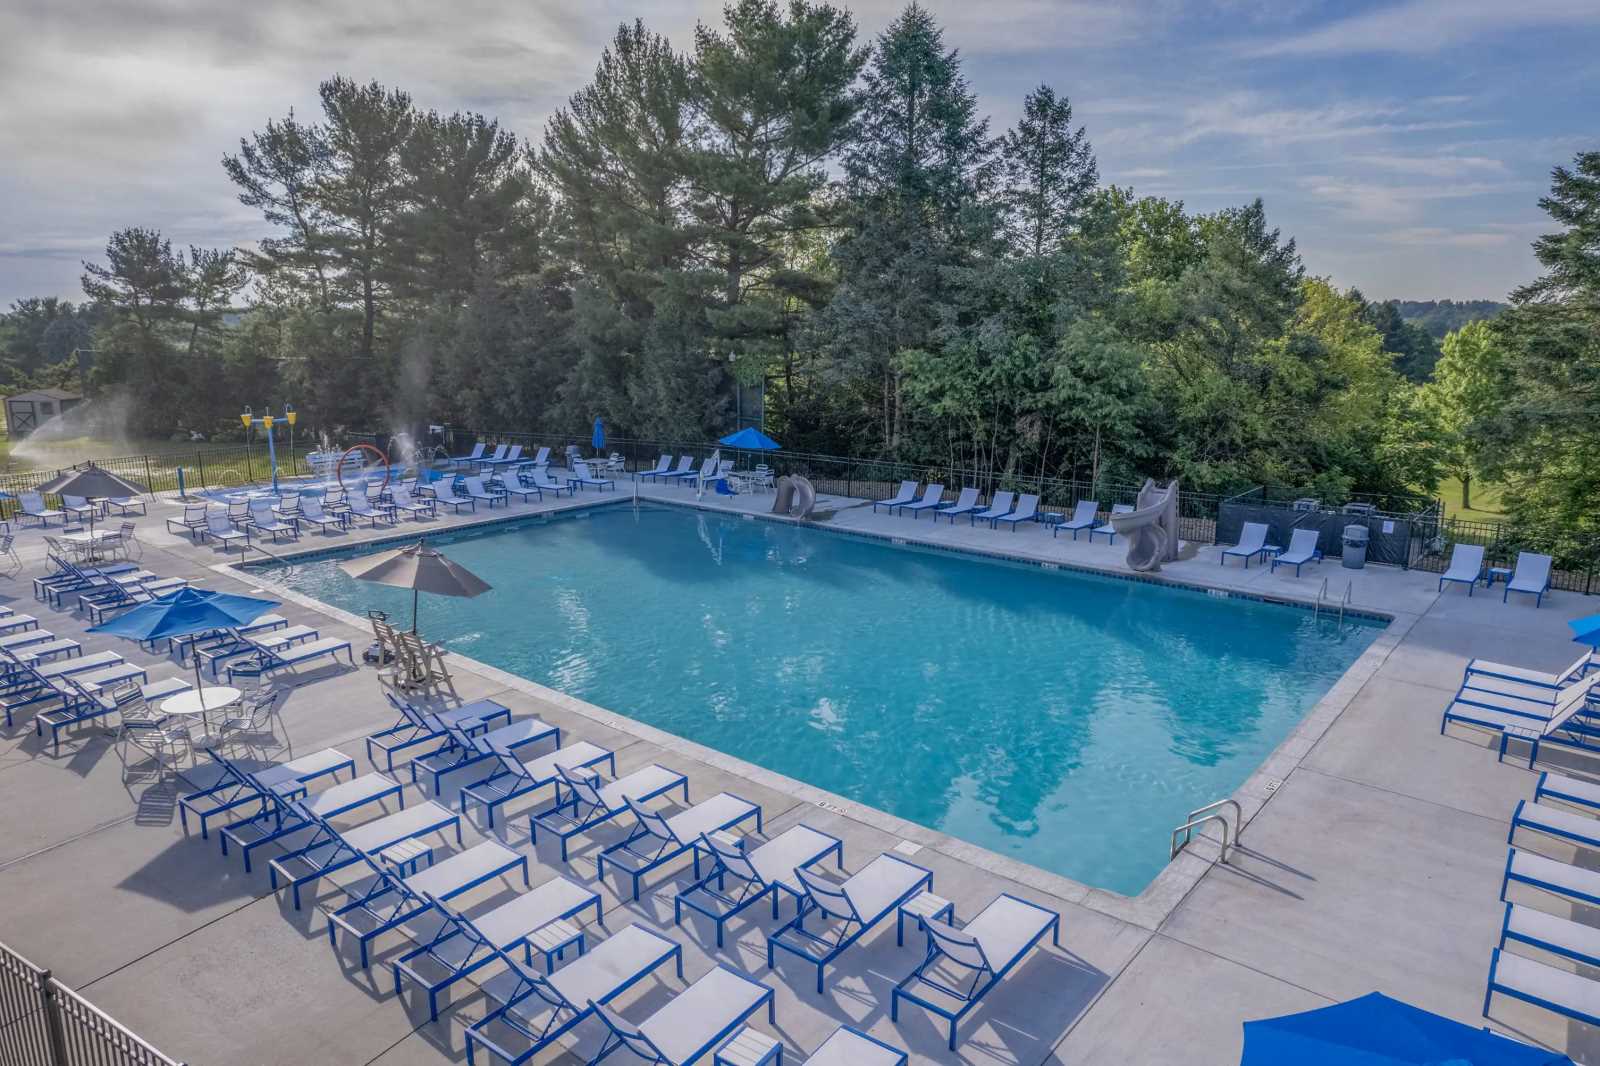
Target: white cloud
{"points": [[1420, 26], [1364, 200]]}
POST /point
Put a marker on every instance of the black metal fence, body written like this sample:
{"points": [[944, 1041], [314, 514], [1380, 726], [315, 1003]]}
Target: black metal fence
{"points": [[201, 468], [45, 1023]]}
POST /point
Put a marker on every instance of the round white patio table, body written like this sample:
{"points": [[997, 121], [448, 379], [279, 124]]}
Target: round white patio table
{"points": [[87, 543], [190, 705]]}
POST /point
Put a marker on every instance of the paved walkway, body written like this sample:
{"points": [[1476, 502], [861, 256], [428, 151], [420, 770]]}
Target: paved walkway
{"points": [[1372, 859]]}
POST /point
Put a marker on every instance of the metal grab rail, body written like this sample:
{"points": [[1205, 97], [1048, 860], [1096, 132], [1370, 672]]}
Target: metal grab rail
{"points": [[1316, 611], [1199, 817], [1345, 602]]}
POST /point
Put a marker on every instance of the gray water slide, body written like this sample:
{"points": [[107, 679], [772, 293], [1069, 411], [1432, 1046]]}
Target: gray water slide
{"points": [[1151, 528]]}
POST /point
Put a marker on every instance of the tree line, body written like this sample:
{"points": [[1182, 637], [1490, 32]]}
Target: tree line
{"points": [[780, 205]]}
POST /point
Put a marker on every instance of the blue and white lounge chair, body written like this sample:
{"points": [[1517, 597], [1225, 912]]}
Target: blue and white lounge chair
{"points": [[1570, 826], [193, 522], [268, 660], [582, 475], [1531, 575], [1558, 878], [1534, 722], [584, 799], [385, 900], [1108, 530], [850, 907], [265, 522], [459, 946], [1252, 543], [31, 505], [685, 1028], [509, 481], [1533, 678], [545, 483], [329, 850], [359, 505], [232, 791], [966, 503], [685, 468], [477, 491], [964, 964], [471, 457], [278, 820], [1027, 510], [761, 873], [1082, 520], [906, 495], [1302, 549], [1548, 932], [79, 508], [932, 496], [311, 512], [446, 494], [462, 750], [219, 529], [998, 506], [514, 777], [489, 460], [663, 465], [417, 507], [1572, 790], [1558, 991], [1466, 567], [657, 839], [848, 1046], [512, 456], [535, 1009], [416, 726]]}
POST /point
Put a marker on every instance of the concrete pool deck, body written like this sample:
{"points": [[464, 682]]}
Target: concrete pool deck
{"points": [[1371, 859]]}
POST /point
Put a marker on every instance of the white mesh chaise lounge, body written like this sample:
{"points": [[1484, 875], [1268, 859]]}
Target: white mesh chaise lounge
{"points": [[471, 457], [848, 1046], [1082, 520], [221, 530], [264, 521], [999, 505], [1537, 679], [462, 750], [847, 909], [963, 964], [478, 492], [1027, 510], [1558, 991], [416, 726], [1531, 575], [1550, 875], [1466, 567], [444, 492], [663, 464], [932, 496], [545, 483], [268, 660], [535, 1010], [489, 460], [1302, 549], [31, 505], [906, 494], [657, 839], [1252, 542], [686, 1027], [1515, 718], [966, 503], [582, 475], [758, 874], [232, 791], [328, 851], [458, 946], [359, 505], [402, 501], [585, 799], [311, 511], [512, 777], [512, 457], [1108, 530], [277, 820], [685, 467]]}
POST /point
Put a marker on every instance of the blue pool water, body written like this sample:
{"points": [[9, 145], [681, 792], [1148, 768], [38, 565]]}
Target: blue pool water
{"points": [[1068, 720]]}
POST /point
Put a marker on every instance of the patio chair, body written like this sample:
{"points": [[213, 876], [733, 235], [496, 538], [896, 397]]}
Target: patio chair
{"points": [[848, 1046], [1252, 542], [269, 660], [401, 500], [999, 506], [387, 901], [471, 457], [542, 457], [125, 542], [125, 505], [218, 528], [663, 464], [1082, 520], [1549, 932], [416, 726], [509, 481], [1466, 567], [278, 819], [489, 460], [591, 800], [537, 1009], [665, 471], [193, 522], [311, 512], [906, 494], [1302, 549], [1531, 575], [582, 475], [476, 491], [461, 750], [762, 873], [932, 497], [1027, 509], [691, 1023], [232, 791], [853, 906], [458, 946], [964, 964], [287, 507], [1575, 791], [512, 456], [329, 851], [512, 777], [445, 492], [8, 549], [167, 749], [545, 483], [1108, 530], [263, 520], [87, 697], [966, 503], [658, 839], [358, 505], [31, 505], [79, 508], [1558, 991]]}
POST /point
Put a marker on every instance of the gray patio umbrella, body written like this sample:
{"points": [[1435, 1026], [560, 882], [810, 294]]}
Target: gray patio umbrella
{"points": [[92, 482], [419, 568]]}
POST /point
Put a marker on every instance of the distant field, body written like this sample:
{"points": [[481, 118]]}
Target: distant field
{"points": [[1485, 501]]}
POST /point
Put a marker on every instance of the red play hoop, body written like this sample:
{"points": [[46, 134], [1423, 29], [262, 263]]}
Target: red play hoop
{"points": [[338, 470]]}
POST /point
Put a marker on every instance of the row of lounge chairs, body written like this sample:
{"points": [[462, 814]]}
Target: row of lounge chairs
{"points": [[31, 507], [532, 1004], [1004, 506], [1530, 575], [1541, 707]]}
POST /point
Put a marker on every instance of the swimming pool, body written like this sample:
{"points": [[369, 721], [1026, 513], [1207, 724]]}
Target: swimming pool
{"points": [[1065, 719]]}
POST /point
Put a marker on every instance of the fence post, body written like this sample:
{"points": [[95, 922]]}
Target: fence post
{"points": [[52, 1022], [149, 478], [200, 457]]}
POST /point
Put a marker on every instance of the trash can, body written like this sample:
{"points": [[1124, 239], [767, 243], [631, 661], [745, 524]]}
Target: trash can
{"points": [[1355, 547]]}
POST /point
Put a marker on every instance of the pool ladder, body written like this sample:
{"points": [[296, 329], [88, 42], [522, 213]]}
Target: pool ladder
{"points": [[1322, 595], [1211, 812]]}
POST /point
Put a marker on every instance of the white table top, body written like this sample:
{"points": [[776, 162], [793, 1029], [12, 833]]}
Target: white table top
{"points": [[216, 698], [85, 537]]}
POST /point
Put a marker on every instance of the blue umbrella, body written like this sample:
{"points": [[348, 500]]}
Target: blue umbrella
{"points": [[751, 439], [1586, 630], [183, 613], [599, 438], [1378, 1031]]}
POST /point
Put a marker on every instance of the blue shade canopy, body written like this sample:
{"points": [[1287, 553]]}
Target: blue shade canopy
{"points": [[1378, 1031], [751, 439], [1586, 630], [184, 612], [599, 438]]}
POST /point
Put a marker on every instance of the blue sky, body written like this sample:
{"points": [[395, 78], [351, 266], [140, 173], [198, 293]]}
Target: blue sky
{"points": [[1404, 145]]}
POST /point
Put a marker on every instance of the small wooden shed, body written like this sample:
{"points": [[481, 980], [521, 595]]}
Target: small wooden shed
{"points": [[27, 411]]}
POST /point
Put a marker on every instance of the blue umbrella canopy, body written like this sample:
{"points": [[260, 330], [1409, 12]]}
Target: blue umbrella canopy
{"points": [[1378, 1031], [751, 439], [1586, 630], [183, 612], [599, 438]]}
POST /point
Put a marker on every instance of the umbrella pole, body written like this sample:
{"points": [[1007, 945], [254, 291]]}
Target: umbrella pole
{"points": [[414, 594]]}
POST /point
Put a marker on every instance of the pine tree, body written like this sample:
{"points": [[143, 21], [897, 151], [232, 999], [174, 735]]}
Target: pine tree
{"points": [[1049, 172]]}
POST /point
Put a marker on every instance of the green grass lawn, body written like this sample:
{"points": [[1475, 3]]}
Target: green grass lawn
{"points": [[1485, 501]]}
